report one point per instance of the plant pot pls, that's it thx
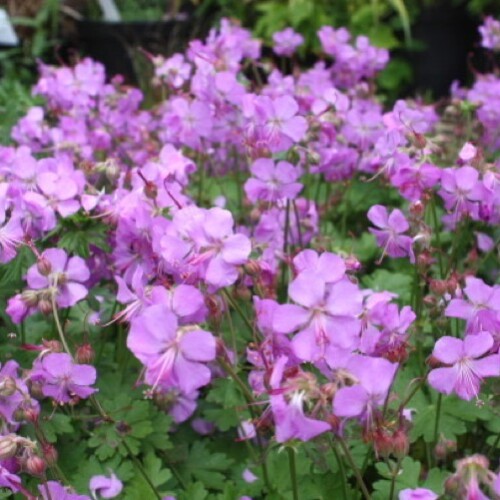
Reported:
(115, 44)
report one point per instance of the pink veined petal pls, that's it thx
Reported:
(364, 370)
(236, 249)
(186, 300)
(488, 366)
(190, 375)
(295, 128)
(449, 350)
(70, 294)
(66, 188)
(47, 182)
(443, 379)
(68, 207)
(218, 223)
(397, 221)
(198, 345)
(77, 270)
(378, 216)
(124, 294)
(477, 290)
(35, 279)
(57, 364)
(285, 107)
(307, 290)
(344, 299)
(263, 169)
(466, 178)
(475, 345)
(307, 259)
(350, 401)
(331, 267)
(304, 345)
(83, 374)
(289, 317)
(459, 308)
(57, 258)
(220, 274)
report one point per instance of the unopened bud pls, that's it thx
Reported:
(444, 447)
(150, 191)
(439, 287)
(50, 454)
(35, 465)
(8, 446)
(400, 444)
(30, 297)
(85, 354)
(252, 267)
(44, 266)
(45, 306)
(53, 345)
(418, 140)
(417, 208)
(7, 386)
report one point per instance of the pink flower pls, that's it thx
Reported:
(390, 235)
(62, 379)
(174, 357)
(466, 367)
(65, 277)
(105, 487)
(286, 41)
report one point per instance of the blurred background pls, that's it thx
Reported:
(432, 42)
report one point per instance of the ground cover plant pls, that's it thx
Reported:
(254, 284)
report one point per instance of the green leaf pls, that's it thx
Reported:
(407, 477)
(206, 466)
(399, 283)
(56, 425)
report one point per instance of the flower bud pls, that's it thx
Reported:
(7, 386)
(30, 298)
(35, 465)
(444, 447)
(252, 267)
(85, 354)
(50, 454)
(8, 446)
(439, 287)
(53, 345)
(400, 444)
(150, 191)
(44, 266)
(45, 306)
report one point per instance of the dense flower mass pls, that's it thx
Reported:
(256, 261)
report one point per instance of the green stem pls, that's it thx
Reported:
(437, 235)
(141, 469)
(238, 309)
(412, 393)
(293, 472)
(355, 469)
(58, 324)
(394, 474)
(340, 463)
(438, 416)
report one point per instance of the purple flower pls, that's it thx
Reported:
(286, 41)
(272, 181)
(326, 316)
(490, 33)
(62, 379)
(390, 235)
(52, 489)
(11, 236)
(65, 277)
(375, 376)
(481, 308)
(105, 487)
(466, 367)
(290, 421)
(417, 494)
(174, 357)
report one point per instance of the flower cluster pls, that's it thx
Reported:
(270, 257)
